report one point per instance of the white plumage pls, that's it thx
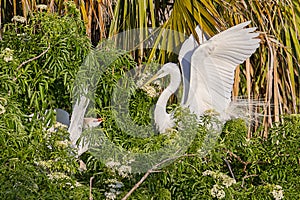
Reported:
(207, 72)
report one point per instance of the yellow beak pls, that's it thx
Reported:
(151, 79)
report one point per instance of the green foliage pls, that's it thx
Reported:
(37, 161)
(38, 62)
(260, 167)
(44, 57)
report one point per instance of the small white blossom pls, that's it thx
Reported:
(19, 19)
(114, 183)
(206, 173)
(124, 171)
(22, 34)
(77, 184)
(57, 175)
(42, 7)
(217, 191)
(60, 125)
(110, 195)
(150, 90)
(117, 185)
(62, 144)
(112, 164)
(278, 187)
(7, 54)
(45, 163)
(228, 181)
(277, 192)
(213, 174)
(7, 59)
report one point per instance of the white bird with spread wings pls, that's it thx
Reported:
(207, 72)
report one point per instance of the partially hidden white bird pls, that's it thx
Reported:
(77, 124)
(207, 72)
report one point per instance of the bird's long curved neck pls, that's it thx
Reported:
(162, 102)
(172, 87)
(162, 118)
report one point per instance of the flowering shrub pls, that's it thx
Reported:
(37, 161)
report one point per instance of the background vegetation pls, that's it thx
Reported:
(270, 75)
(40, 55)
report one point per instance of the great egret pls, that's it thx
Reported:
(63, 117)
(207, 72)
(75, 127)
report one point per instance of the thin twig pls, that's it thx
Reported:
(152, 170)
(137, 184)
(229, 167)
(91, 184)
(31, 59)
(247, 176)
(239, 159)
(34, 58)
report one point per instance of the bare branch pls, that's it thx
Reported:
(91, 184)
(239, 159)
(32, 59)
(152, 170)
(247, 176)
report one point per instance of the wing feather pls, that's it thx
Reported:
(185, 54)
(212, 68)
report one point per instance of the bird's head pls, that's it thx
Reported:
(166, 69)
(92, 122)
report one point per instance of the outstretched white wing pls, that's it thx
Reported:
(212, 68)
(184, 57)
(76, 125)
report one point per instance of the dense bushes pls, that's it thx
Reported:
(37, 161)
(40, 59)
(263, 169)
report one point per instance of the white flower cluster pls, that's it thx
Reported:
(3, 103)
(277, 192)
(112, 164)
(217, 191)
(7, 54)
(42, 7)
(63, 144)
(21, 34)
(122, 170)
(45, 163)
(60, 125)
(52, 165)
(114, 186)
(19, 19)
(71, 185)
(57, 175)
(54, 128)
(227, 181)
(151, 91)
